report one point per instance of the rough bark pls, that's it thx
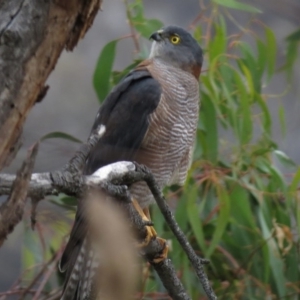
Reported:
(33, 33)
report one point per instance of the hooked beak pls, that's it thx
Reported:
(156, 36)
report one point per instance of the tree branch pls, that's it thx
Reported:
(171, 282)
(113, 179)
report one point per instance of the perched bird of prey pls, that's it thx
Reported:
(150, 117)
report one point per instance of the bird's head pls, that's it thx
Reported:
(175, 46)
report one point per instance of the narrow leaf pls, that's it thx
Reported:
(284, 159)
(103, 71)
(271, 48)
(276, 263)
(293, 37)
(209, 115)
(222, 220)
(194, 216)
(148, 27)
(237, 5)
(61, 135)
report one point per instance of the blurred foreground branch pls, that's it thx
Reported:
(114, 180)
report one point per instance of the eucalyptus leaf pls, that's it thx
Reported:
(103, 70)
(238, 5)
(61, 135)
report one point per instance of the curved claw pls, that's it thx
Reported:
(151, 234)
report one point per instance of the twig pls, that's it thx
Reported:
(131, 26)
(167, 274)
(11, 211)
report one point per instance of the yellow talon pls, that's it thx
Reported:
(151, 233)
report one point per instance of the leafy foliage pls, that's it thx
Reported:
(237, 208)
(103, 70)
(293, 41)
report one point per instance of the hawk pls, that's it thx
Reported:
(150, 117)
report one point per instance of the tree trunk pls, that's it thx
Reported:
(33, 33)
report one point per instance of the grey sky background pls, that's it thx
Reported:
(71, 102)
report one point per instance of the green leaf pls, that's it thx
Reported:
(209, 117)
(249, 80)
(65, 201)
(294, 37)
(291, 57)
(271, 48)
(147, 27)
(275, 261)
(244, 113)
(135, 14)
(135, 11)
(294, 201)
(222, 220)
(252, 66)
(119, 75)
(31, 252)
(266, 117)
(284, 159)
(157, 219)
(103, 71)
(277, 182)
(291, 52)
(293, 274)
(61, 135)
(261, 57)
(240, 204)
(193, 211)
(180, 214)
(237, 5)
(217, 46)
(295, 182)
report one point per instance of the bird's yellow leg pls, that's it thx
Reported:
(151, 233)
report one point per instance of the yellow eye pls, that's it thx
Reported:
(175, 39)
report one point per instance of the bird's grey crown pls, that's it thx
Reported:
(186, 54)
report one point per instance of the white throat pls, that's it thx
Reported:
(153, 51)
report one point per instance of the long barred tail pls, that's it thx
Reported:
(100, 258)
(81, 275)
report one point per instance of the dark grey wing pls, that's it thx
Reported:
(125, 117)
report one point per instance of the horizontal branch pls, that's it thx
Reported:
(46, 184)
